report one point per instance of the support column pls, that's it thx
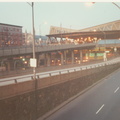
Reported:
(95, 55)
(65, 57)
(62, 58)
(10, 64)
(38, 60)
(48, 57)
(88, 54)
(72, 55)
(81, 56)
(45, 59)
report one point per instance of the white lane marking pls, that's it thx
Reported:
(100, 109)
(116, 90)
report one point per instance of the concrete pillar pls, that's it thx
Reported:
(72, 55)
(81, 56)
(95, 55)
(62, 58)
(88, 54)
(10, 64)
(45, 61)
(15, 64)
(38, 60)
(48, 58)
(65, 57)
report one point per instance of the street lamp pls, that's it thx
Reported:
(116, 5)
(33, 61)
(90, 4)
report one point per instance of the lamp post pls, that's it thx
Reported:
(33, 60)
(116, 5)
(112, 3)
(34, 72)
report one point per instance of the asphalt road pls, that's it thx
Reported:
(101, 102)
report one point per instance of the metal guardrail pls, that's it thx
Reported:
(15, 80)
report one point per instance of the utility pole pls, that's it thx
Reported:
(34, 71)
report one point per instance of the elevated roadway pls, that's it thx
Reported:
(13, 51)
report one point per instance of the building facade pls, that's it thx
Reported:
(28, 38)
(10, 35)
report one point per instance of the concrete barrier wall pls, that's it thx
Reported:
(23, 102)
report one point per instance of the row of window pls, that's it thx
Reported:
(12, 34)
(10, 29)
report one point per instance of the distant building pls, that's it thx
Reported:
(10, 35)
(28, 38)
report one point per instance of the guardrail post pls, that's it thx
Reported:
(38, 76)
(50, 74)
(15, 81)
(32, 77)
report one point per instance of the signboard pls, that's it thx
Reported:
(33, 62)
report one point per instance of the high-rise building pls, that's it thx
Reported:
(10, 35)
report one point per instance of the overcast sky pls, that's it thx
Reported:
(76, 15)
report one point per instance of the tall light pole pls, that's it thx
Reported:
(112, 3)
(116, 5)
(34, 72)
(33, 61)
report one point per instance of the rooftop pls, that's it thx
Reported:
(10, 25)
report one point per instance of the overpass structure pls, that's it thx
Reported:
(58, 54)
(64, 48)
(12, 56)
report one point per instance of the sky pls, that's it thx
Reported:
(74, 15)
